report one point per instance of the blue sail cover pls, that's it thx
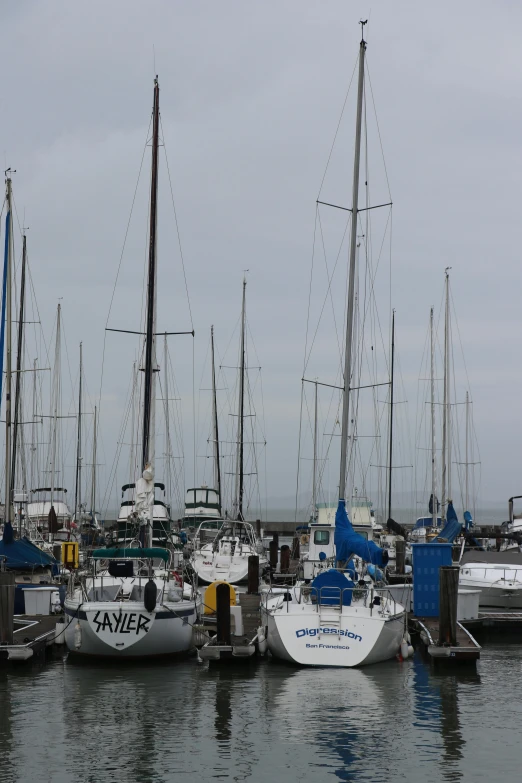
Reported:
(468, 520)
(451, 529)
(22, 555)
(348, 542)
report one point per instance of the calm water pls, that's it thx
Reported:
(262, 722)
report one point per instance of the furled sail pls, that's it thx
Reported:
(348, 542)
(452, 528)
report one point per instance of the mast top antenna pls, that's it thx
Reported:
(362, 23)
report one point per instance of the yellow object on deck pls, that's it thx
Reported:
(70, 554)
(210, 596)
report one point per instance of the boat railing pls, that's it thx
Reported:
(331, 598)
(515, 574)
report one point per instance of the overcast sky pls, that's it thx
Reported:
(251, 94)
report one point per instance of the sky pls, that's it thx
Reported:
(251, 95)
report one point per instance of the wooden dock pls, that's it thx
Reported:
(31, 636)
(465, 650)
(241, 646)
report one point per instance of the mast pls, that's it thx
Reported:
(351, 278)
(78, 485)
(432, 406)
(18, 382)
(241, 415)
(391, 416)
(217, 466)
(9, 321)
(149, 404)
(467, 454)
(314, 477)
(93, 485)
(446, 467)
(56, 398)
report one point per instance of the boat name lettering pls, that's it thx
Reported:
(314, 631)
(116, 622)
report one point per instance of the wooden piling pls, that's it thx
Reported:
(400, 555)
(296, 548)
(272, 554)
(7, 599)
(253, 574)
(258, 528)
(285, 559)
(448, 597)
(223, 613)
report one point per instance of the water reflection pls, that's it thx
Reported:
(186, 722)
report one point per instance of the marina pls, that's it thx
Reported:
(260, 502)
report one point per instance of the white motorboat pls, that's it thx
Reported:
(226, 557)
(498, 576)
(131, 606)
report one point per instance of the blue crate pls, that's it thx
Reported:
(427, 559)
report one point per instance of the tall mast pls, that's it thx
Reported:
(93, 484)
(351, 278)
(78, 486)
(446, 466)
(55, 401)
(447, 334)
(391, 416)
(149, 404)
(314, 477)
(9, 321)
(18, 382)
(241, 415)
(217, 466)
(432, 406)
(467, 454)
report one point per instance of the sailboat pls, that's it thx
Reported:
(132, 605)
(48, 513)
(226, 557)
(330, 622)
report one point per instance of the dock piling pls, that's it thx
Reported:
(253, 574)
(223, 613)
(272, 549)
(400, 555)
(449, 591)
(7, 599)
(285, 559)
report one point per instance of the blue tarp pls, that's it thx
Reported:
(452, 527)
(468, 520)
(348, 542)
(330, 586)
(23, 555)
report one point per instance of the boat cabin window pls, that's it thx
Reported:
(322, 537)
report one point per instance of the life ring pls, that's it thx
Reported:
(177, 578)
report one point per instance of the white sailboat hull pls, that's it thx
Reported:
(111, 629)
(231, 569)
(353, 637)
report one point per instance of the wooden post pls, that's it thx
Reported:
(253, 574)
(7, 599)
(448, 597)
(272, 556)
(285, 559)
(223, 613)
(258, 528)
(400, 555)
(275, 537)
(296, 548)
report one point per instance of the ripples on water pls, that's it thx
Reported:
(261, 722)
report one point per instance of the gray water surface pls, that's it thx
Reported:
(262, 722)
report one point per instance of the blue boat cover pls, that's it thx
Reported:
(330, 586)
(23, 555)
(452, 527)
(348, 542)
(468, 520)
